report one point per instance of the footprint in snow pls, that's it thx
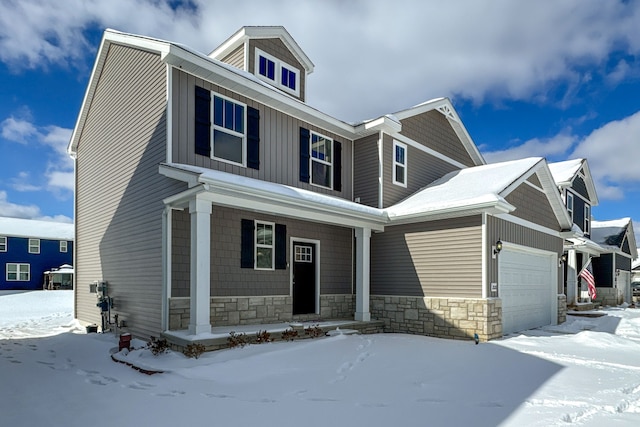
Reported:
(347, 366)
(218, 396)
(172, 393)
(139, 386)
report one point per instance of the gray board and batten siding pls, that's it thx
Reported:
(227, 276)
(533, 205)
(366, 170)
(279, 140)
(119, 190)
(436, 259)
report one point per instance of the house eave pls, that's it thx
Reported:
(493, 208)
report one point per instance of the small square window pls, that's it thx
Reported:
(63, 246)
(303, 254)
(34, 246)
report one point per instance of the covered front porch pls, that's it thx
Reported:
(301, 212)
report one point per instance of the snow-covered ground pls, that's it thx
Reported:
(585, 372)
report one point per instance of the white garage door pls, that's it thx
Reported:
(528, 288)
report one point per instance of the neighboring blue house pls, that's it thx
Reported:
(28, 248)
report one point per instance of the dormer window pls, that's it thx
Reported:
(277, 72)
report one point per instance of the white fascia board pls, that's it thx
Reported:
(588, 179)
(250, 86)
(497, 207)
(528, 224)
(385, 124)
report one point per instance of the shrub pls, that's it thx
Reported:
(194, 350)
(236, 340)
(158, 346)
(289, 335)
(263, 337)
(314, 331)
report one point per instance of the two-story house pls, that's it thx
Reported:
(608, 247)
(29, 248)
(208, 192)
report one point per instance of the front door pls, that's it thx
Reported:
(304, 278)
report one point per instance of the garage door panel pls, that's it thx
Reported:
(525, 282)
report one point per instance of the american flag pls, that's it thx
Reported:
(587, 275)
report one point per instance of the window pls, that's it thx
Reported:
(3, 244)
(264, 245)
(570, 205)
(63, 246)
(399, 164)
(321, 160)
(277, 72)
(34, 246)
(228, 130)
(587, 218)
(18, 272)
(303, 253)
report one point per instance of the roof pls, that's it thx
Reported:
(565, 172)
(612, 234)
(263, 32)
(35, 229)
(63, 269)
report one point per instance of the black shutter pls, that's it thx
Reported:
(247, 240)
(304, 154)
(203, 122)
(281, 247)
(253, 138)
(337, 166)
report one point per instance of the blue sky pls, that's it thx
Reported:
(559, 80)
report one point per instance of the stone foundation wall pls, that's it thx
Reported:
(230, 311)
(458, 318)
(562, 308)
(609, 296)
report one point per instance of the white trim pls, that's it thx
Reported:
(532, 185)
(380, 170)
(404, 165)
(532, 225)
(257, 245)
(485, 258)
(29, 247)
(169, 118)
(278, 64)
(428, 150)
(18, 272)
(66, 246)
(231, 132)
(573, 204)
(587, 219)
(167, 220)
(5, 244)
(317, 272)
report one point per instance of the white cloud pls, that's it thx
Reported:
(59, 171)
(556, 146)
(410, 51)
(26, 211)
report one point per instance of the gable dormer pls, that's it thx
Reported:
(573, 179)
(271, 54)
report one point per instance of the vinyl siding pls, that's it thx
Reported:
(366, 170)
(228, 279)
(119, 191)
(499, 229)
(236, 58)
(433, 130)
(279, 140)
(422, 170)
(579, 186)
(277, 48)
(434, 259)
(533, 205)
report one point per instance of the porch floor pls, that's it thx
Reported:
(218, 338)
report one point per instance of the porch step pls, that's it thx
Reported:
(584, 307)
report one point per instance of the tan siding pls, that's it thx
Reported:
(228, 279)
(422, 170)
(535, 180)
(279, 140)
(277, 48)
(533, 205)
(435, 259)
(236, 58)
(119, 190)
(365, 169)
(499, 229)
(434, 131)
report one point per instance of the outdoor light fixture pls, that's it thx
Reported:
(496, 248)
(562, 260)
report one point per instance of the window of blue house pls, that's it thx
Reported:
(229, 118)
(34, 246)
(570, 205)
(18, 272)
(587, 219)
(63, 246)
(3, 244)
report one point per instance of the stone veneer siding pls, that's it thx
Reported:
(609, 296)
(562, 308)
(458, 318)
(230, 311)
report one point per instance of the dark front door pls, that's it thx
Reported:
(304, 278)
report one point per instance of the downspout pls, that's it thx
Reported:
(166, 267)
(169, 113)
(485, 265)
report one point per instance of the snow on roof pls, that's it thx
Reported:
(565, 171)
(19, 227)
(63, 269)
(475, 186)
(610, 233)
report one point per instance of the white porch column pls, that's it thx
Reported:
(363, 262)
(200, 211)
(572, 277)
